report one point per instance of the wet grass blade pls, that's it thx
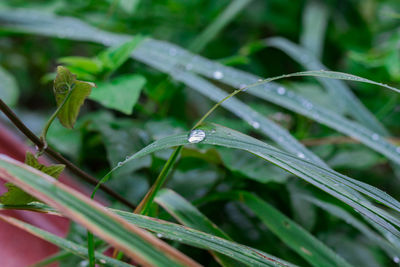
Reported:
(136, 243)
(188, 215)
(339, 91)
(62, 243)
(186, 235)
(339, 212)
(292, 234)
(340, 186)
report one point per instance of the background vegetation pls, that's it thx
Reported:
(145, 93)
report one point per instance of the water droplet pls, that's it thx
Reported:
(127, 157)
(396, 259)
(301, 155)
(218, 75)
(103, 261)
(259, 80)
(119, 164)
(159, 235)
(255, 124)
(242, 86)
(196, 136)
(189, 67)
(375, 136)
(308, 105)
(281, 90)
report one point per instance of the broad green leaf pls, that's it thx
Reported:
(340, 186)
(70, 93)
(9, 90)
(306, 245)
(15, 195)
(115, 56)
(120, 93)
(62, 243)
(184, 235)
(134, 242)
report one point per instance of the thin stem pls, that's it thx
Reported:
(58, 157)
(50, 121)
(145, 204)
(91, 250)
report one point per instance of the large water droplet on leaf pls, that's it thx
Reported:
(218, 75)
(196, 136)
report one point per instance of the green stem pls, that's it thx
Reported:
(50, 121)
(92, 259)
(145, 204)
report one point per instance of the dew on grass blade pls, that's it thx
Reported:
(196, 136)
(218, 75)
(281, 90)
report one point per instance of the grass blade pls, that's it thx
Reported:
(338, 90)
(315, 18)
(390, 250)
(62, 243)
(340, 186)
(293, 235)
(185, 235)
(136, 243)
(223, 19)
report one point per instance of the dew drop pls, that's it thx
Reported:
(196, 136)
(301, 155)
(159, 235)
(119, 164)
(103, 261)
(396, 259)
(281, 90)
(375, 136)
(259, 80)
(218, 75)
(255, 124)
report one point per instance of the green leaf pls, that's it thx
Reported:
(15, 195)
(62, 243)
(85, 64)
(70, 93)
(115, 56)
(301, 241)
(9, 90)
(134, 242)
(120, 94)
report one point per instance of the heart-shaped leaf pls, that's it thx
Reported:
(70, 93)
